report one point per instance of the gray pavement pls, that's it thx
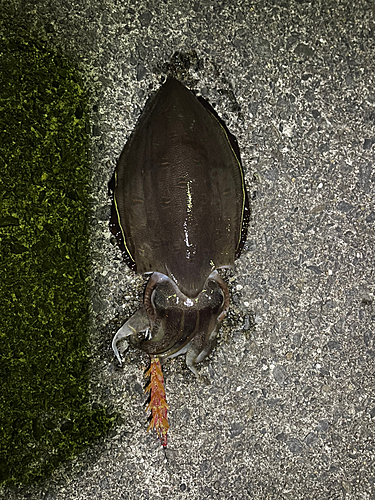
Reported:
(290, 411)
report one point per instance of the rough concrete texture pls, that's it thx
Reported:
(290, 411)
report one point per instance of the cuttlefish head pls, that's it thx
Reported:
(171, 323)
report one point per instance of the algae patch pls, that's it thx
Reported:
(45, 415)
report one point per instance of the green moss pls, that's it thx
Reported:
(45, 416)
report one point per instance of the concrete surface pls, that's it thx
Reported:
(290, 412)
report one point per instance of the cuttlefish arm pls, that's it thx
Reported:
(139, 322)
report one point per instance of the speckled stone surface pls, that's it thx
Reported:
(290, 411)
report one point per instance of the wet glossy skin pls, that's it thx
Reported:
(179, 212)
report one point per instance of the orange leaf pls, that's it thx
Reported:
(158, 403)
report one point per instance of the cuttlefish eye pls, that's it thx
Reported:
(163, 297)
(212, 297)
